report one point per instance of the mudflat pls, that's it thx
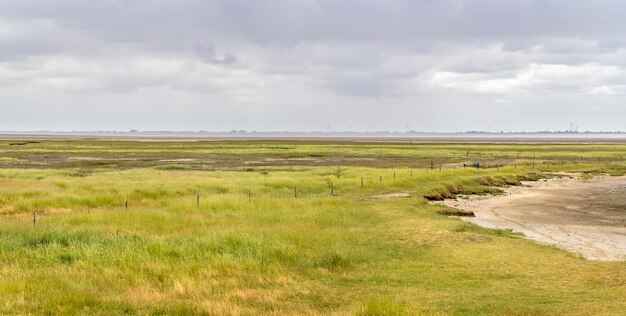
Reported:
(587, 217)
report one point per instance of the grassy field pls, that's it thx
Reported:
(233, 155)
(283, 228)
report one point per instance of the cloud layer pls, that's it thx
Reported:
(307, 64)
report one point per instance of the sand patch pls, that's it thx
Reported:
(85, 158)
(584, 217)
(393, 195)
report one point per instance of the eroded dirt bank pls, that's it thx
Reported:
(584, 217)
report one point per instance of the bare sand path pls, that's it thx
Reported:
(584, 217)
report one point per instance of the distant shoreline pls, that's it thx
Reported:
(556, 138)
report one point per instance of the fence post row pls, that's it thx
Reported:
(362, 182)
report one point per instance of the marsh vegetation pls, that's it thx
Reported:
(283, 228)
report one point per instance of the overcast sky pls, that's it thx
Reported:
(427, 65)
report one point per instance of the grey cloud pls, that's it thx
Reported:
(209, 55)
(289, 22)
(228, 57)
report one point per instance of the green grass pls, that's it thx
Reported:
(353, 252)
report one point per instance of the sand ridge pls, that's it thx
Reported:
(583, 217)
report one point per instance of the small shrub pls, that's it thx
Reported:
(333, 262)
(66, 258)
(456, 212)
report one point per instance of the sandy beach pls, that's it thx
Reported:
(583, 217)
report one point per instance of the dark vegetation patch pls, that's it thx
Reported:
(464, 227)
(614, 171)
(334, 262)
(66, 258)
(456, 212)
(478, 185)
(23, 143)
(531, 176)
